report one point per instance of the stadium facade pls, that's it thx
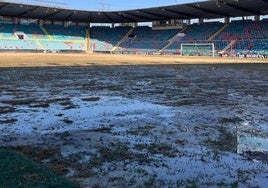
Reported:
(25, 27)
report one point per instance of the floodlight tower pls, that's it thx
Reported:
(103, 5)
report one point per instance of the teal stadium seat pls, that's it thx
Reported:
(18, 45)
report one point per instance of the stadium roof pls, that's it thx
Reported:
(206, 9)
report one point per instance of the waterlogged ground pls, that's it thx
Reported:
(141, 126)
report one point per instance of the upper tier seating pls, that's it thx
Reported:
(143, 38)
(7, 31)
(58, 32)
(32, 31)
(200, 32)
(249, 36)
(104, 38)
(196, 33)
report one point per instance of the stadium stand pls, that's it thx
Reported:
(239, 37)
(145, 39)
(104, 38)
(195, 33)
(248, 37)
(32, 37)
(58, 32)
(40, 28)
(19, 37)
(243, 36)
(64, 39)
(7, 44)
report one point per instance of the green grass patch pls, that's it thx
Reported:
(16, 170)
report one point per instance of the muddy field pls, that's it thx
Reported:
(141, 125)
(59, 59)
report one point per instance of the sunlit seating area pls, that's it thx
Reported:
(31, 31)
(59, 32)
(62, 46)
(104, 38)
(242, 36)
(32, 37)
(7, 44)
(7, 31)
(19, 37)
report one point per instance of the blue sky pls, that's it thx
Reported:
(120, 4)
(108, 4)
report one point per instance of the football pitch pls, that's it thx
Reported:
(147, 122)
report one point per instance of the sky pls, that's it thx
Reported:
(107, 5)
(121, 4)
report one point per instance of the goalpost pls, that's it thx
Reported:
(197, 49)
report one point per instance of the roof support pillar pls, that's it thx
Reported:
(65, 24)
(16, 20)
(201, 20)
(226, 20)
(40, 23)
(188, 22)
(113, 25)
(257, 18)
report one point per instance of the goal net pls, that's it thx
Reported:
(197, 49)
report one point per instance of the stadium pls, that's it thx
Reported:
(51, 29)
(168, 96)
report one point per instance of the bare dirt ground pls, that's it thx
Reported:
(42, 59)
(145, 125)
